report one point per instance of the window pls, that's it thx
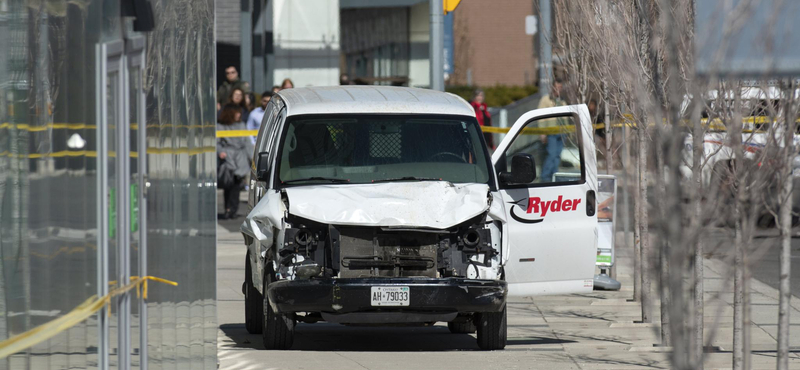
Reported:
(266, 124)
(555, 146)
(373, 148)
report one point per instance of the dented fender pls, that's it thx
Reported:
(260, 229)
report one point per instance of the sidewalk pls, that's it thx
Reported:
(598, 329)
(589, 331)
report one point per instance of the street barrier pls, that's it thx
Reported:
(41, 333)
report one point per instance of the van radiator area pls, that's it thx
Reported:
(372, 252)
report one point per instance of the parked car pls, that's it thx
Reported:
(762, 113)
(381, 205)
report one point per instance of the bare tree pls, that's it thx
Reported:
(785, 223)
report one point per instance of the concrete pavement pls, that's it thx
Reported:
(589, 331)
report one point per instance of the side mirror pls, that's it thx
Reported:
(523, 170)
(262, 174)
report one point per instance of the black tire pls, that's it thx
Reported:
(492, 330)
(466, 327)
(278, 329)
(253, 303)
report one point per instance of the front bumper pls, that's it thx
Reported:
(428, 295)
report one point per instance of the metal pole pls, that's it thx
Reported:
(123, 213)
(437, 45)
(142, 149)
(545, 52)
(246, 48)
(102, 206)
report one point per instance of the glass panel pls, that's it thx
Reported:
(134, 93)
(48, 176)
(112, 124)
(554, 145)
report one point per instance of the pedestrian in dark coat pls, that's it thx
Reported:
(234, 157)
(231, 82)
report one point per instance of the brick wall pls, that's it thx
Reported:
(228, 28)
(490, 41)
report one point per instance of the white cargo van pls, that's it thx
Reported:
(382, 205)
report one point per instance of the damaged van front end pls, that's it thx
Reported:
(392, 253)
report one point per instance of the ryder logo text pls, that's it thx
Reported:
(537, 205)
(541, 207)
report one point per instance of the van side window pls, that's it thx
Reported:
(271, 144)
(555, 146)
(266, 128)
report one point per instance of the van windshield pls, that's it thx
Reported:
(378, 148)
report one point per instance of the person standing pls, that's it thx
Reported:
(257, 115)
(483, 115)
(234, 156)
(237, 98)
(287, 84)
(231, 82)
(554, 142)
(250, 101)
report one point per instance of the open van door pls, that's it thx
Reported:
(552, 221)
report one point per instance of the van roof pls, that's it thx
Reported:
(372, 99)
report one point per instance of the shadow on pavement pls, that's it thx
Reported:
(653, 364)
(231, 225)
(335, 337)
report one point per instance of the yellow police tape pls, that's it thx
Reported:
(494, 130)
(715, 124)
(88, 308)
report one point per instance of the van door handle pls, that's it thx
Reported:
(591, 203)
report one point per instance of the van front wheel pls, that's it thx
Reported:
(492, 330)
(253, 301)
(278, 331)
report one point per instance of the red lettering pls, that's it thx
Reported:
(556, 204)
(545, 207)
(533, 204)
(536, 205)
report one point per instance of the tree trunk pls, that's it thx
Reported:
(607, 125)
(3, 308)
(738, 301)
(785, 221)
(740, 180)
(747, 326)
(637, 238)
(698, 154)
(612, 271)
(664, 235)
(644, 234)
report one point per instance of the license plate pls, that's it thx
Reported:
(390, 295)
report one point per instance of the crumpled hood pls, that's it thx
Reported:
(431, 204)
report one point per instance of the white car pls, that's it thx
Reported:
(718, 155)
(381, 205)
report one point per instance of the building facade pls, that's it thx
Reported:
(107, 172)
(313, 42)
(491, 46)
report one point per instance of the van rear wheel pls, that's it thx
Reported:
(492, 330)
